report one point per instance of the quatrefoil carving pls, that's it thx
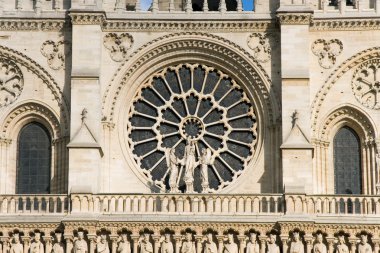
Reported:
(327, 51)
(118, 45)
(259, 43)
(55, 52)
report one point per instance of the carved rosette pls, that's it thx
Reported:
(327, 51)
(11, 82)
(55, 53)
(259, 43)
(366, 83)
(196, 103)
(118, 45)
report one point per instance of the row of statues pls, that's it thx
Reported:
(189, 163)
(187, 244)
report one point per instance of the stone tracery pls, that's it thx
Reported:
(11, 82)
(198, 104)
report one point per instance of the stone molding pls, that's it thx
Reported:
(87, 18)
(191, 25)
(335, 75)
(295, 18)
(33, 24)
(345, 24)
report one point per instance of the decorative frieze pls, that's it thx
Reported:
(87, 18)
(295, 18)
(33, 24)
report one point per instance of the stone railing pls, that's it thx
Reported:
(178, 203)
(192, 204)
(362, 6)
(332, 204)
(34, 204)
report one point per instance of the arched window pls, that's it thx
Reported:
(347, 162)
(33, 160)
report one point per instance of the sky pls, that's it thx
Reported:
(247, 4)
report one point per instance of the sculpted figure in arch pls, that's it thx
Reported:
(296, 245)
(102, 245)
(319, 246)
(188, 245)
(205, 160)
(230, 246)
(209, 244)
(364, 246)
(341, 246)
(166, 243)
(37, 246)
(252, 245)
(16, 245)
(190, 165)
(124, 245)
(145, 244)
(80, 245)
(58, 246)
(272, 246)
(172, 161)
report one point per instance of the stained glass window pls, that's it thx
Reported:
(347, 162)
(34, 159)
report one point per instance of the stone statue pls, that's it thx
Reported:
(172, 162)
(210, 245)
(272, 246)
(80, 245)
(252, 245)
(16, 245)
(364, 246)
(205, 160)
(230, 246)
(102, 245)
(319, 246)
(166, 243)
(190, 165)
(145, 244)
(37, 246)
(124, 245)
(341, 246)
(59, 246)
(296, 245)
(188, 246)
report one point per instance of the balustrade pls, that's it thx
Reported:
(36, 204)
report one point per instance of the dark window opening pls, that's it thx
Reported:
(335, 2)
(33, 160)
(347, 162)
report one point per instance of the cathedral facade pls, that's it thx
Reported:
(189, 126)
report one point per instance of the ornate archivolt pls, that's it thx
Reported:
(196, 49)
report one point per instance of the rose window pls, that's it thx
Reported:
(197, 104)
(366, 83)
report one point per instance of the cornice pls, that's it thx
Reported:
(189, 25)
(87, 18)
(13, 24)
(345, 24)
(295, 18)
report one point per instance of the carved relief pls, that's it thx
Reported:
(11, 82)
(118, 45)
(327, 51)
(203, 115)
(366, 83)
(259, 43)
(55, 52)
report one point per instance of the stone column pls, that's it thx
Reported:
(69, 243)
(220, 243)
(198, 239)
(309, 243)
(263, 240)
(352, 241)
(48, 243)
(241, 239)
(135, 239)
(84, 149)
(5, 243)
(330, 242)
(376, 242)
(114, 243)
(284, 240)
(177, 239)
(92, 241)
(26, 241)
(156, 239)
(297, 160)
